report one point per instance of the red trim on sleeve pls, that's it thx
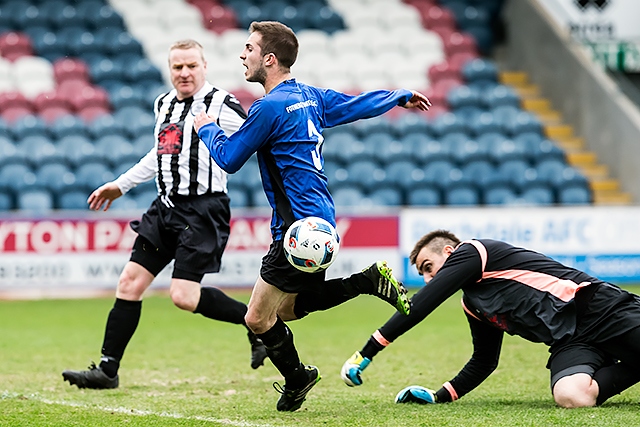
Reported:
(381, 340)
(451, 390)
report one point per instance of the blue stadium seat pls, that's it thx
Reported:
(16, 177)
(479, 69)
(523, 122)
(66, 17)
(85, 43)
(75, 199)
(481, 172)
(384, 148)
(6, 200)
(142, 70)
(568, 177)
(38, 150)
(326, 19)
(386, 196)
(98, 15)
(336, 140)
(549, 169)
(464, 150)
(448, 123)
(144, 199)
(424, 196)
(364, 128)
(502, 150)
(105, 125)
(462, 196)
(68, 125)
(249, 175)
(258, 198)
(463, 96)
(404, 174)
(32, 17)
(575, 195)
(364, 174)
(106, 69)
(410, 123)
(143, 143)
(55, 176)
(484, 123)
(500, 96)
(530, 142)
(500, 195)
(239, 198)
(425, 150)
(354, 150)
(547, 150)
(49, 45)
(126, 203)
(93, 174)
(128, 116)
(438, 172)
(38, 201)
(115, 148)
(348, 196)
(538, 196)
(27, 126)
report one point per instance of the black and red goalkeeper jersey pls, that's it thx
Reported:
(505, 289)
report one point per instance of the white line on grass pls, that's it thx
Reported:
(129, 411)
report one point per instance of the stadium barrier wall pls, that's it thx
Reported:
(83, 255)
(577, 86)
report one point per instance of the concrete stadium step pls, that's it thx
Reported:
(606, 190)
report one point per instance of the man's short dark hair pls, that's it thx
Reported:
(278, 39)
(436, 240)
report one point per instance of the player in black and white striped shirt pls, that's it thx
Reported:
(188, 222)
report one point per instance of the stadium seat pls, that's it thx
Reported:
(404, 174)
(73, 200)
(14, 99)
(464, 150)
(480, 172)
(482, 123)
(438, 172)
(410, 123)
(93, 174)
(386, 196)
(114, 148)
(384, 148)
(538, 196)
(574, 195)
(55, 176)
(448, 123)
(523, 122)
(500, 95)
(258, 198)
(549, 169)
(37, 201)
(6, 201)
(459, 42)
(143, 199)
(424, 196)
(239, 198)
(479, 70)
(364, 174)
(249, 175)
(513, 171)
(14, 45)
(16, 176)
(569, 176)
(77, 150)
(463, 96)
(27, 126)
(348, 197)
(462, 196)
(67, 125)
(502, 150)
(500, 195)
(372, 126)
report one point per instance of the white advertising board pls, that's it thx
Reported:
(602, 241)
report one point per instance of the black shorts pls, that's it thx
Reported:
(279, 272)
(606, 332)
(194, 232)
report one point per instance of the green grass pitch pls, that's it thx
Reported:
(184, 370)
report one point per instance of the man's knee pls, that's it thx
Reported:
(185, 294)
(575, 391)
(133, 281)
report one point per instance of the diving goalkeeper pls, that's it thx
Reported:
(592, 327)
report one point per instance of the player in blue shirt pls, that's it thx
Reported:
(285, 129)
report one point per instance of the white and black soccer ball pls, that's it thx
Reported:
(311, 244)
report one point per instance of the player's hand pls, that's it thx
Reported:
(416, 394)
(202, 119)
(418, 101)
(104, 195)
(351, 372)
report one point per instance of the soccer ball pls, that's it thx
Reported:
(311, 244)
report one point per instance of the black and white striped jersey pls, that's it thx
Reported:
(179, 161)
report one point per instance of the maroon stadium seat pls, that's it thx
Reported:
(14, 99)
(458, 43)
(443, 70)
(89, 114)
(14, 45)
(11, 114)
(70, 69)
(47, 100)
(90, 96)
(53, 113)
(219, 18)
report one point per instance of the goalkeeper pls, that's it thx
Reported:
(592, 327)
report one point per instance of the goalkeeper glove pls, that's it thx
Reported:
(416, 394)
(352, 369)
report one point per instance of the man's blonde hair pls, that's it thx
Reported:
(188, 44)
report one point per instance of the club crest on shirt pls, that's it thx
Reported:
(170, 138)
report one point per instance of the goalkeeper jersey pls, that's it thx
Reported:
(285, 129)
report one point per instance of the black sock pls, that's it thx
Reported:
(283, 354)
(121, 324)
(216, 305)
(371, 348)
(614, 379)
(334, 292)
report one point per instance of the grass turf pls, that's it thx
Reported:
(181, 369)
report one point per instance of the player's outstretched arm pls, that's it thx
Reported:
(104, 195)
(419, 101)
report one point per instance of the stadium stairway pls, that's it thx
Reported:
(606, 189)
